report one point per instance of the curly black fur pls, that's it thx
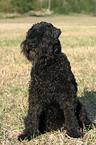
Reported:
(53, 101)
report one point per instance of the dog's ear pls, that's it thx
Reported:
(56, 33)
(50, 45)
(52, 34)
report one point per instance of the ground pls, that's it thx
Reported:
(78, 40)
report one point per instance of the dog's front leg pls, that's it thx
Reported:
(31, 124)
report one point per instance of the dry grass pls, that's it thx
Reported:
(78, 39)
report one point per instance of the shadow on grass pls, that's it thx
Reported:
(89, 101)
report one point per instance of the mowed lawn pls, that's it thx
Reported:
(78, 40)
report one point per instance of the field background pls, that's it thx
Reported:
(78, 40)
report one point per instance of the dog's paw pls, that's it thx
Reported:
(24, 136)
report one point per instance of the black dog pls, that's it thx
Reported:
(53, 101)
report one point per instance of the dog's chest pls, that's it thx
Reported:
(48, 80)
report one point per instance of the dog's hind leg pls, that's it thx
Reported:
(83, 115)
(71, 124)
(31, 124)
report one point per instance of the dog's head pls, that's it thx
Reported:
(41, 41)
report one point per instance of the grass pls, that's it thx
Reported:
(78, 41)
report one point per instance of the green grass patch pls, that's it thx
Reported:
(76, 41)
(9, 42)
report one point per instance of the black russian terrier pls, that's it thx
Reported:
(53, 101)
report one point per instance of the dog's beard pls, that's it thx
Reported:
(32, 57)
